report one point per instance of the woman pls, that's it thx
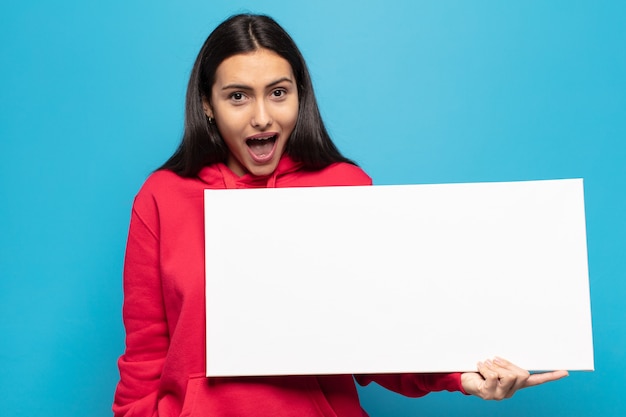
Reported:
(251, 121)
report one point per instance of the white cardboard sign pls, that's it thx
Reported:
(406, 278)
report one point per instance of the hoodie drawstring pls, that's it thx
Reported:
(271, 182)
(229, 180)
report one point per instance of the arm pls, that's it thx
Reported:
(495, 380)
(147, 337)
(414, 385)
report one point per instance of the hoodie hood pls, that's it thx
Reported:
(220, 176)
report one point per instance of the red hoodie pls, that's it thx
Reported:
(162, 372)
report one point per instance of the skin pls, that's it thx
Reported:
(498, 379)
(254, 96)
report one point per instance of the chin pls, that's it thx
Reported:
(262, 170)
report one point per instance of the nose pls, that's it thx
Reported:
(261, 117)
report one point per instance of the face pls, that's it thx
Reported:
(254, 102)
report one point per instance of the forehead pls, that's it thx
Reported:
(259, 67)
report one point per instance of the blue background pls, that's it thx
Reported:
(91, 100)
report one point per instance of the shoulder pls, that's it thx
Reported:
(342, 173)
(159, 182)
(163, 187)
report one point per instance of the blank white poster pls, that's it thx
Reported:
(403, 278)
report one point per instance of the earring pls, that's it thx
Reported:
(210, 120)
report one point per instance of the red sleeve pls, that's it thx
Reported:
(147, 337)
(414, 385)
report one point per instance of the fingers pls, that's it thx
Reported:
(498, 379)
(490, 384)
(515, 376)
(501, 379)
(542, 378)
(531, 380)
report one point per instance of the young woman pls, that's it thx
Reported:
(251, 120)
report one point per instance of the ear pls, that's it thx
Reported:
(207, 107)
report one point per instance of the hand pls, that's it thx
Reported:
(499, 379)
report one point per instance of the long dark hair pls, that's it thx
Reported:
(202, 144)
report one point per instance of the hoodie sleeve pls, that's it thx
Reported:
(414, 385)
(147, 337)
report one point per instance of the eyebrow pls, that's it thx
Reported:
(246, 87)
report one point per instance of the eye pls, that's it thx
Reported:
(279, 93)
(237, 96)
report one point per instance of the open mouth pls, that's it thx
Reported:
(262, 147)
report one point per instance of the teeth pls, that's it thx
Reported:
(263, 138)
